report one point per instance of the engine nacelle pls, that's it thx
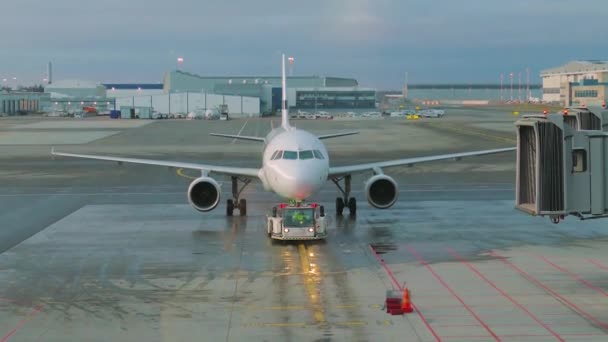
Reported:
(381, 191)
(204, 194)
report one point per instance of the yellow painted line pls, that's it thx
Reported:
(275, 325)
(309, 284)
(295, 307)
(286, 274)
(346, 306)
(180, 172)
(284, 324)
(303, 324)
(288, 307)
(350, 323)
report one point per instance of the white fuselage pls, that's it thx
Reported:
(301, 168)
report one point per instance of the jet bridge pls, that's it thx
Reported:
(562, 169)
(586, 118)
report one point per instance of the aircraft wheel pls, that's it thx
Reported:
(229, 207)
(243, 207)
(339, 206)
(352, 206)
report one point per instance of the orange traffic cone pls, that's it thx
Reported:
(406, 304)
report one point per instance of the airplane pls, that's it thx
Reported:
(295, 165)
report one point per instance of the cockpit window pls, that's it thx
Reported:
(291, 155)
(306, 155)
(277, 155)
(318, 154)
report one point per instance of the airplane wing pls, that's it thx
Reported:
(241, 137)
(228, 170)
(345, 170)
(335, 135)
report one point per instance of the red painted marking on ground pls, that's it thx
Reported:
(598, 264)
(525, 335)
(428, 267)
(390, 273)
(22, 323)
(496, 306)
(388, 270)
(504, 325)
(574, 276)
(548, 289)
(474, 269)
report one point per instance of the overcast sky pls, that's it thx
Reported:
(375, 41)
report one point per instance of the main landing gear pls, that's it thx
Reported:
(235, 202)
(345, 201)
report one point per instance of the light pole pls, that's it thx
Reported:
(511, 78)
(528, 84)
(519, 88)
(291, 60)
(502, 76)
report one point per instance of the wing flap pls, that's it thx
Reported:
(236, 171)
(343, 170)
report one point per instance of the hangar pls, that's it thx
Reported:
(576, 83)
(302, 91)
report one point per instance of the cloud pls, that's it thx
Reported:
(373, 40)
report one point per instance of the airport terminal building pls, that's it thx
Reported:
(576, 83)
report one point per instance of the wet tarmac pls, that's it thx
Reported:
(95, 252)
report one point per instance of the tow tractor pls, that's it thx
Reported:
(297, 221)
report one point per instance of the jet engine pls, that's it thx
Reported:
(381, 191)
(204, 194)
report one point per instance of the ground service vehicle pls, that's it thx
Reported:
(223, 109)
(297, 222)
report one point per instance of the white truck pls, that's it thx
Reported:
(297, 222)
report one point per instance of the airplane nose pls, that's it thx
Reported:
(307, 181)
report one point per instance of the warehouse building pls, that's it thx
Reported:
(72, 96)
(186, 102)
(76, 89)
(302, 91)
(121, 90)
(576, 83)
(14, 103)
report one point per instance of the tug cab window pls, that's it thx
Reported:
(579, 161)
(290, 155)
(306, 155)
(298, 218)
